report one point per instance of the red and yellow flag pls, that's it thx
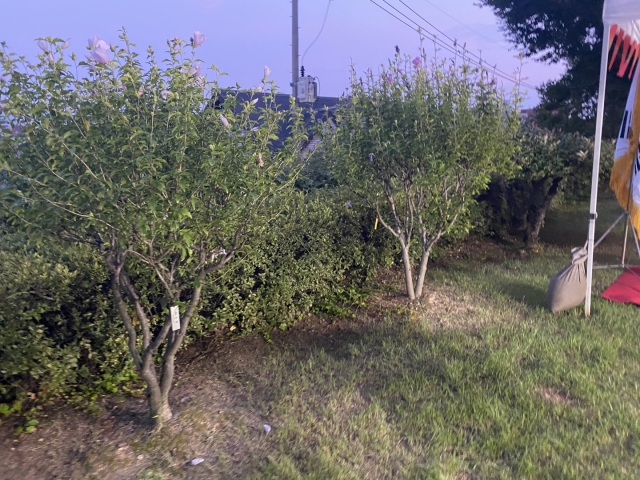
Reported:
(625, 175)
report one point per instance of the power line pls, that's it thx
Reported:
(436, 41)
(449, 49)
(467, 26)
(326, 14)
(453, 40)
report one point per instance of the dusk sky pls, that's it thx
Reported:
(245, 35)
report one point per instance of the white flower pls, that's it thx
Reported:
(224, 121)
(97, 42)
(198, 38)
(195, 69)
(260, 161)
(99, 55)
(165, 94)
(44, 46)
(267, 71)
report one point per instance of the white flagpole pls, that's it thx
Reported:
(596, 165)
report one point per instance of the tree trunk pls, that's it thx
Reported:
(157, 397)
(159, 408)
(408, 276)
(158, 387)
(532, 234)
(423, 271)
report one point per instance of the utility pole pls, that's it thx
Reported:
(294, 46)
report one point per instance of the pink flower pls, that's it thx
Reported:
(165, 94)
(198, 38)
(43, 45)
(50, 57)
(389, 79)
(99, 55)
(66, 44)
(97, 42)
(417, 62)
(397, 49)
(224, 121)
(195, 69)
(267, 71)
(141, 90)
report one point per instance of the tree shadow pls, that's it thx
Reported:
(526, 293)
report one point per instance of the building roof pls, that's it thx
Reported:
(321, 110)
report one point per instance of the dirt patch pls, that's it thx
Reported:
(442, 306)
(555, 396)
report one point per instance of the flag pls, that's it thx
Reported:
(625, 174)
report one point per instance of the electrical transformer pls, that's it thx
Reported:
(307, 90)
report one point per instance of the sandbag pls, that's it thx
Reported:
(568, 287)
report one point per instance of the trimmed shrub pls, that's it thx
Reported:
(317, 253)
(59, 332)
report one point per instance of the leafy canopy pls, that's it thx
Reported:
(153, 165)
(417, 144)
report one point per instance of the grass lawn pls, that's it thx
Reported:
(480, 381)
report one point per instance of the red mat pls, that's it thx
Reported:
(626, 288)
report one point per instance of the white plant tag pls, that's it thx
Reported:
(175, 318)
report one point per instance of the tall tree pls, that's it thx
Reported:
(568, 31)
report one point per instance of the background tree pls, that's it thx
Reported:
(569, 32)
(549, 165)
(131, 161)
(417, 144)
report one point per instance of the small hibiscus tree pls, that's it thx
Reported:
(151, 164)
(417, 144)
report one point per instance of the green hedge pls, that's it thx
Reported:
(316, 254)
(60, 335)
(58, 329)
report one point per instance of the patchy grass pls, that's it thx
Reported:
(479, 381)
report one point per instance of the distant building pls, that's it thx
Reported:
(322, 110)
